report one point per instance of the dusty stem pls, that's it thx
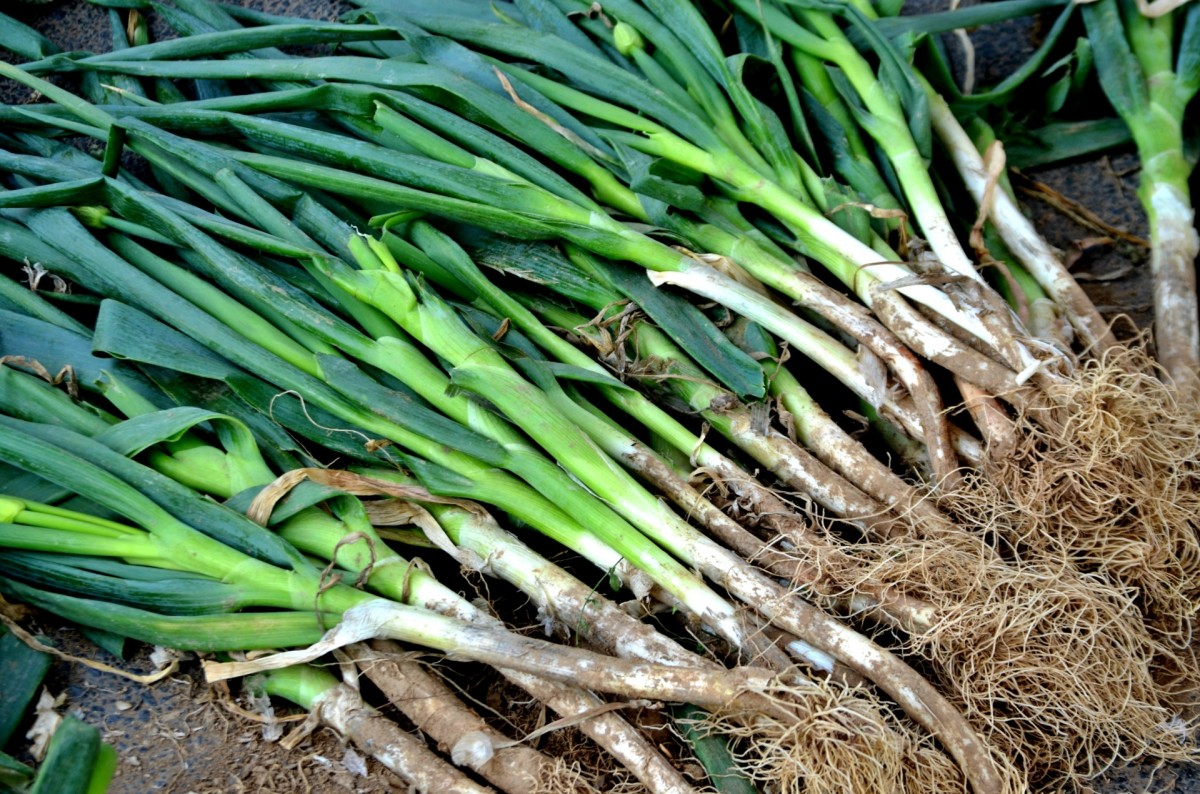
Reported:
(343, 709)
(437, 712)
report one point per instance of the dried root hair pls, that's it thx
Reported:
(573, 776)
(1068, 599)
(1108, 479)
(1052, 667)
(1065, 617)
(847, 741)
(578, 765)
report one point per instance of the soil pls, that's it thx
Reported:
(179, 735)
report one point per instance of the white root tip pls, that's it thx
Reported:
(473, 749)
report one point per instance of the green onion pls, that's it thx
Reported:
(1150, 83)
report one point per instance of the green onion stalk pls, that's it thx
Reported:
(472, 531)
(920, 411)
(892, 105)
(501, 40)
(1031, 251)
(939, 346)
(299, 358)
(298, 361)
(479, 479)
(200, 632)
(433, 385)
(1070, 438)
(851, 272)
(857, 265)
(1150, 71)
(523, 501)
(440, 714)
(478, 544)
(967, 596)
(917, 697)
(664, 363)
(1034, 267)
(477, 367)
(822, 485)
(799, 286)
(848, 260)
(76, 462)
(520, 501)
(1018, 234)
(803, 335)
(918, 332)
(854, 164)
(208, 468)
(435, 388)
(1032, 304)
(434, 324)
(631, 452)
(817, 34)
(703, 279)
(806, 419)
(850, 155)
(346, 537)
(569, 606)
(361, 551)
(800, 335)
(656, 471)
(843, 455)
(538, 217)
(303, 532)
(635, 455)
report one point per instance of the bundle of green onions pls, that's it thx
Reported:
(201, 577)
(675, 439)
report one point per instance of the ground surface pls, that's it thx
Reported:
(180, 736)
(176, 736)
